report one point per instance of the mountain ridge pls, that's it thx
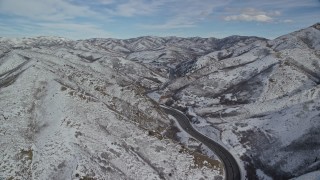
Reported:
(82, 108)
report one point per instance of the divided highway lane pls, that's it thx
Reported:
(232, 170)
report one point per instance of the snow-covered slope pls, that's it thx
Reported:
(70, 111)
(262, 98)
(81, 109)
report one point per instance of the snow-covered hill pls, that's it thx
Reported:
(261, 99)
(69, 110)
(90, 108)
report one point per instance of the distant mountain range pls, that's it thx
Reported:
(91, 108)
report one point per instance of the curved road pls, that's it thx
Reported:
(232, 170)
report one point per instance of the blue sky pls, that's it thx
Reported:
(81, 19)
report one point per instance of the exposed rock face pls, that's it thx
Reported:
(317, 26)
(72, 109)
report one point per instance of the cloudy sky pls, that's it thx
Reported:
(80, 19)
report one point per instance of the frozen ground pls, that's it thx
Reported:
(261, 100)
(62, 117)
(90, 108)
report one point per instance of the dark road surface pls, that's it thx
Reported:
(232, 171)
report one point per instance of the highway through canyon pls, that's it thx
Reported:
(231, 167)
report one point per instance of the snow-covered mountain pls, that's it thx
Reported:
(90, 108)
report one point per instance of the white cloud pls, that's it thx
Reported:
(288, 21)
(63, 29)
(168, 25)
(138, 7)
(51, 17)
(102, 1)
(246, 17)
(46, 10)
(280, 4)
(89, 18)
(187, 13)
(73, 30)
(251, 14)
